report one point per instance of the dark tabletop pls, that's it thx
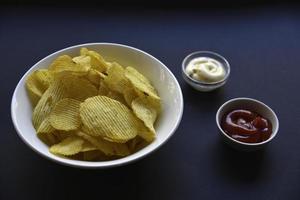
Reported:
(262, 45)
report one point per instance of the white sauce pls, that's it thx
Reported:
(205, 69)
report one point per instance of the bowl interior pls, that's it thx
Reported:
(159, 75)
(253, 105)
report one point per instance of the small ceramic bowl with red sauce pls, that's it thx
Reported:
(247, 124)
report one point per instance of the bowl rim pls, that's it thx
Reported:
(97, 164)
(274, 133)
(184, 64)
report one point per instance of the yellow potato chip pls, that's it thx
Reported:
(108, 148)
(37, 83)
(145, 112)
(108, 118)
(77, 87)
(61, 135)
(69, 146)
(65, 115)
(115, 79)
(47, 133)
(65, 64)
(129, 95)
(140, 83)
(87, 146)
(116, 96)
(95, 77)
(103, 89)
(97, 61)
(146, 134)
(93, 155)
(61, 63)
(45, 127)
(43, 108)
(136, 144)
(83, 51)
(84, 61)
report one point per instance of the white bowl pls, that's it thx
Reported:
(160, 76)
(255, 106)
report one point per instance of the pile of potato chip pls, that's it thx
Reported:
(89, 109)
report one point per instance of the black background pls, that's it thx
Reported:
(261, 43)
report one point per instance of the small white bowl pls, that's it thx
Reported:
(200, 85)
(160, 76)
(255, 106)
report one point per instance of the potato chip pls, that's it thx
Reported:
(140, 83)
(136, 144)
(47, 133)
(108, 148)
(84, 61)
(129, 95)
(97, 61)
(116, 96)
(95, 77)
(108, 118)
(145, 112)
(45, 127)
(146, 134)
(61, 63)
(77, 87)
(43, 108)
(93, 155)
(66, 64)
(65, 115)
(69, 146)
(103, 89)
(37, 83)
(61, 135)
(115, 79)
(87, 146)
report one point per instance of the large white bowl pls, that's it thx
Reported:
(160, 76)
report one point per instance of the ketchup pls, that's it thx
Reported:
(246, 126)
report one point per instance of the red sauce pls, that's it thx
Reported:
(246, 126)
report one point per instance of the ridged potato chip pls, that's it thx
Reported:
(77, 87)
(129, 95)
(103, 89)
(108, 148)
(140, 83)
(95, 77)
(37, 83)
(45, 127)
(146, 134)
(65, 115)
(97, 61)
(94, 155)
(136, 144)
(65, 64)
(47, 133)
(84, 61)
(116, 96)
(115, 79)
(145, 112)
(69, 146)
(61, 63)
(106, 117)
(43, 108)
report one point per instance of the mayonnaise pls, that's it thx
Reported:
(205, 69)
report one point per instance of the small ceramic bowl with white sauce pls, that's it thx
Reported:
(205, 70)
